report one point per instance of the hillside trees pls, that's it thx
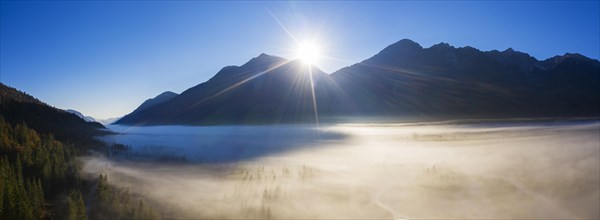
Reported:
(39, 179)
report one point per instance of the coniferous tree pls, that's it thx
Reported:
(75, 206)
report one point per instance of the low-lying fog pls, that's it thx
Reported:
(543, 170)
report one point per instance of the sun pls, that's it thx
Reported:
(308, 53)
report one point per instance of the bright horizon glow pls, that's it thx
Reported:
(309, 53)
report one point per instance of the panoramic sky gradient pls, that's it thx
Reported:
(104, 58)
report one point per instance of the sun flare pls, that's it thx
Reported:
(309, 53)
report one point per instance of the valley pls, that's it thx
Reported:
(543, 170)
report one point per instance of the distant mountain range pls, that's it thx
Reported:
(18, 107)
(404, 79)
(108, 121)
(80, 115)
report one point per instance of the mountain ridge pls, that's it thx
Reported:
(481, 81)
(18, 107)
(163, 97)
(403, 79)
(263, 71)
(80, 115)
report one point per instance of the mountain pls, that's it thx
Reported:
(108, 121)
(80, 115)
(404, 79)
(266, 89)
(447, 82)
(18, 107)
(163, 97)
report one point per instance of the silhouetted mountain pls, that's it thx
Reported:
(266, 89)
(443, 81)
(404, 79)
(163, 97)
(80, 115)
(108, 121)
(17, 107)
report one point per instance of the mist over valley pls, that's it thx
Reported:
(543, 170)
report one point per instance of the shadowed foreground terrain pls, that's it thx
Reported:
(546, 170)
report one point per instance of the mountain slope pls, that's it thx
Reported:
(444, 81)
(17, 107)
(80, 115)
(404, 79)
(163, 97)
(266, 89)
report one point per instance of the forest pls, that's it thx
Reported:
(40, 179)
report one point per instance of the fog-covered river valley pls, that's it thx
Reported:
(546, 170)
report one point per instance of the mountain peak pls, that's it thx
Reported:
(576, 55)
(441, 45)
(400, 48)
(509, 50)
(407, 43)
(167, 93)
(263, 55)
(264, 58)
(163, 97)
(555, 60)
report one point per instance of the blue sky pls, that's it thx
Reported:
(104, 58)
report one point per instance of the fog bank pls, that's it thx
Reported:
(494, 170)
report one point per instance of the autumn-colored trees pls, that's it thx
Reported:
(39, 178)
(33, 168)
